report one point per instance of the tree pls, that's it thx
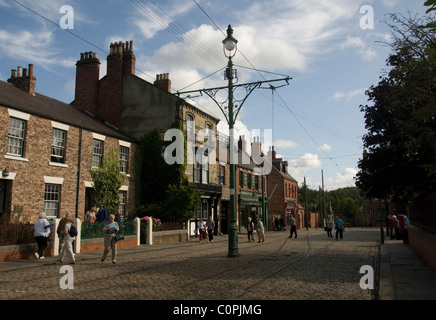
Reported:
(400, 146)
(162, 190)
(106, 182)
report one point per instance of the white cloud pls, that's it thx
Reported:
(341, 180)
(36, 47)
(307, 161)
(365, 51)
(285, 144)
(341, 95)
(325, 147)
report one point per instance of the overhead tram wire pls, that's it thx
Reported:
(97, 47)
(304, 117)
(179, 32)
(258, 71)
(75, 35)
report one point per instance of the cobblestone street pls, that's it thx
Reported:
(311, 267)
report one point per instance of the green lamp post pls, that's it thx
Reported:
(229, 48)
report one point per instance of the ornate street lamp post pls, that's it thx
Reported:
(229, 48)
(231, 111)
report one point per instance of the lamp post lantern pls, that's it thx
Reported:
(229, 48)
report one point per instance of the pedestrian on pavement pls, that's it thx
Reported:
(260, 230)
(293, 224)
(90, 216)
(339, 226)
(102, 214)
(110, 230)
(210, 225)
(201, 229)
(329, 226)
(397, 227)
(282, 224)
(41, 233)
(67, 240)
(61, 227)
(250, 229)
(118, 216)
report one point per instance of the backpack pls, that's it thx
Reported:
(73, 231)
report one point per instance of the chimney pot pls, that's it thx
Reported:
(31, 70)
(13, 73)
(25, 72)
(19, 72)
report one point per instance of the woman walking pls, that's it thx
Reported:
(41, 232)
(329, 226)
(110, 230)
(67, 242)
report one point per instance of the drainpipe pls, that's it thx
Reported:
(79, 161)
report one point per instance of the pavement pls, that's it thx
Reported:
(403, 274)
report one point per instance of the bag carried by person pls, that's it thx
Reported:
(73, 231)
(119, 237)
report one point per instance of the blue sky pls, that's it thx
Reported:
(315, 120)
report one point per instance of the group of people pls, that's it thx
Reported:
(395, 231)
(205, 229)
(260, 229)
(338, 224)
(279, 224)
(110, 229)
(101, 216)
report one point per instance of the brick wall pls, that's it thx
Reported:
(28, 175)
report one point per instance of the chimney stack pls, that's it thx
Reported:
(163, 82)
(22, 80)
(87, 76)
(272, 153)
(242, 144)
(256, 145)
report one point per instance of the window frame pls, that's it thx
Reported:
(53, 157)
(97, 157)
(21, 138)
(47, 207)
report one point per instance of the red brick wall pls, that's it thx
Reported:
(28, 185)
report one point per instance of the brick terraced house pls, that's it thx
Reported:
(47, 150)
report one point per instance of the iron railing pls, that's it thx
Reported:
(95, 230)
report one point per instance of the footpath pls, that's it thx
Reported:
(404, 275)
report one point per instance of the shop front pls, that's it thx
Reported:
(250, 205)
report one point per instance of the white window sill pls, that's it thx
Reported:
(56, 164)
(11, 157)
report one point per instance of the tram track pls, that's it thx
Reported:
(162, 259)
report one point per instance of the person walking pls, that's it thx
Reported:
(339, 226)
(110, 230)
(260, 230)
(329, 226)
(41, 233)
(250, 229)
(210, 225)
(201, 229)
(293, 224)
(67, 240)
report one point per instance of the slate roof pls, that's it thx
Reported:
(46, 107)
